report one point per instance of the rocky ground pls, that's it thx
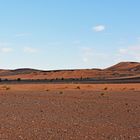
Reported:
(70, 112)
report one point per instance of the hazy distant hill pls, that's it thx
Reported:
(120, 70)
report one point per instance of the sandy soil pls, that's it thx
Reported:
(70, 111)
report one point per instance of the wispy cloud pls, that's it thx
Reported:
(3, 44)
(5, 47)
(98, 28)
(6, 50)
(23, 34)
(93, 57)
(133, 52)
(30, 50)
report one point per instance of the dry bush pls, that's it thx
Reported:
(102, 94)
(78, 87)
(105, 88)
(61, 92)
(6, 87)
(132, 88)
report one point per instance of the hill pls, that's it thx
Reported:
(120, 70)
(125, 66)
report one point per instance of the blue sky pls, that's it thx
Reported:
(67, 34)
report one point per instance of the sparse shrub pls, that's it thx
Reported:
(62, 78)
(47, 90)
(6, 79)
(18, 79)
(102, 94)
(105, 88)
(132, 88)
(6, 87)
(61, 92)
(78, 87)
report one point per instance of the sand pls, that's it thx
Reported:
(70, 111)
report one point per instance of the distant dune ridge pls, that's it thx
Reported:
(120, 70)
(128, 66)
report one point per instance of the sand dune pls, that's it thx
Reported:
(120, 70)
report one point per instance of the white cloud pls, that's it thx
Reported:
(93, 57)
(99, 28)
(22, 34)
(122, 51)
(6, 50)
(30, 50)
(5, 47)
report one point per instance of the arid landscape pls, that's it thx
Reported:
(70, 111)
(76, 111)
(69, 70)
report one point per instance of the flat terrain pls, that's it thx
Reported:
(70, 111)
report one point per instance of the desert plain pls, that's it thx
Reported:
(70, 111)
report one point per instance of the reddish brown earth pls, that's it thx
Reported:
(121, 70)
(70, 111)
